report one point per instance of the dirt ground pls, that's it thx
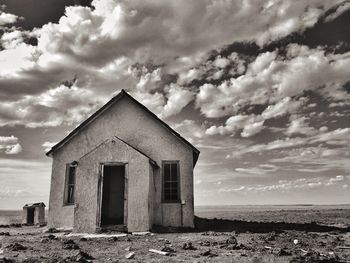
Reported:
(213, 241)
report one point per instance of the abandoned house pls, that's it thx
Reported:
(33, 214)
(123, 167)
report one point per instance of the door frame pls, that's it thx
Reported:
(100, 191)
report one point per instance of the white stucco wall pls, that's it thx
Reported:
(132, 124)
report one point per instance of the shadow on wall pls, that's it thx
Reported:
(239, 226)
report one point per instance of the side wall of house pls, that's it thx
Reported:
(133, 124)
(89, 175)
(60, 215)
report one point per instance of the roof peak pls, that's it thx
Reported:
(121, 94)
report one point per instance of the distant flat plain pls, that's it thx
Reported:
(337, 215)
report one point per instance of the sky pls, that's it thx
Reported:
(261, 88)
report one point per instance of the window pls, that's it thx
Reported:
(171, 181)
(70, 184)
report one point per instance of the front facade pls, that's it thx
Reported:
(122, 167)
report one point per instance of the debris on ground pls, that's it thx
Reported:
(208, 253)
(159, 252)
(142, 233)
(128, 248)
(205, 243)
(167, 249)
(130, 255)
(16, 247)
(188, 246)
(113, 239)
(80, 256)
(166, 241)
(231, 240)
(5, 260)
(70, 244)
(280, 252)
(50, 230)
(4, 233)
(51, 237)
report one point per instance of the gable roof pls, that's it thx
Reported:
(116, 98)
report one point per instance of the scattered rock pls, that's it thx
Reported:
(70, 244)
(128, 249)
(51, 237)
(271, 236)
(210, 233)
(231, 240)
(164, 253)
(167, 249)
(44, 240)
(280, 252)
(31, 260)
(6, 260)
(188, 246)
(113, 239)
(166, 241)
(83, 239)
(4, 233)
(16, 247)
(81, 256)
(50, 230)
(208, 253)
(130, 255)
(205, 243)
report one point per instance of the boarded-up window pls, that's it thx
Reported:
(70, 185)
(171, 181)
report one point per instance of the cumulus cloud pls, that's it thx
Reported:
(10, 145)
(7, 18)
(61, 105)
(299, 125)
(250, 124)
(178, 98)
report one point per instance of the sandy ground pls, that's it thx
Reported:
(214, 241)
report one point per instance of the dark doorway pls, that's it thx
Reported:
(112, 212)
(30, 216)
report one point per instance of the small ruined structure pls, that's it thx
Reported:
(33, 214)
(122, 167)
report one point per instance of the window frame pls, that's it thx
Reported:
(67, 184)
(178, 200)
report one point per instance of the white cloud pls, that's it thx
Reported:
(276, 81)
(250, 124)
(10, 145)
(299, 125)
(48, 145)
(342, 8)
(178, 98)
(252, 129)
(286, 105)
(6, 18)
(61, 105)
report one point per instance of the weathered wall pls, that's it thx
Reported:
(60, 216)
(137, 172)
(132, 124)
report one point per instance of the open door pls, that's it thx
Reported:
(113, 195)
(30, 216)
